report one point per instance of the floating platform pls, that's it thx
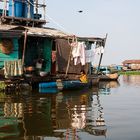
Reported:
(22, 21)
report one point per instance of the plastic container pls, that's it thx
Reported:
(18, 8)
(28, 9)
(48, 85)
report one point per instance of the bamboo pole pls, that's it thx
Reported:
(101, 55)
(24, 47)
(36, 6)
(74, 39)
(5, 8)
(68, 64)
(44, 7)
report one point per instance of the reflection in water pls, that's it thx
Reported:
(82, 113)
(105, 86)
(95, 123)
(62, 115)
(71, 115)
(131, 79)
(8, 119)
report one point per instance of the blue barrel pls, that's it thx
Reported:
(18, 7)
(28, 11)
(48, 85)
(48, 90)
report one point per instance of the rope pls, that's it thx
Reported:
(56, 23)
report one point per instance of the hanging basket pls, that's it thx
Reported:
(6, 46)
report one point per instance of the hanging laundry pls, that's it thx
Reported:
(13, 68)
(93, 46)
(89, 54)
(53, 56)
(99, 49)
(78, 53)
(102, 49)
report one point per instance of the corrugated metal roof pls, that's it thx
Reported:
(6, 32)
(15, 30)
(131, 62)
(46, 32)
(35, 31)
(92, 39)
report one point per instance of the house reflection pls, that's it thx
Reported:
(131, 79)
(106, 86)
(27, 117)
(61, 115)
(9, 114)
(95, 123)
(82, 113)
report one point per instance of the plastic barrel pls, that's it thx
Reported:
(28, 11)
(48, 90)
(48, 85)
(18, 7)
(10, 8)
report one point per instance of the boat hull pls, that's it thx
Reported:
(112, 76)
(53, 87)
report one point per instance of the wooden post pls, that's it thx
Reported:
(36, 6)
(44, 6)
(68, 64)
(29, 10)
(24, 47)
(74, 39)
(5, 8)
(101, 55)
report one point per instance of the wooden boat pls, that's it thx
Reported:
(109, 76)
(105, 73)
(54, 87)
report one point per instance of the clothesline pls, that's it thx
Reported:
(82, 54)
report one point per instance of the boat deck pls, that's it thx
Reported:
(22, 21)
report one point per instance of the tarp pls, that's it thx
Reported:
(62, 56)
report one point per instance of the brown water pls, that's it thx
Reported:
(109, 112)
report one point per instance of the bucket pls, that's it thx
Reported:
(28, 11)
(18, 7)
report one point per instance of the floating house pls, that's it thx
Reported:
(131, 65)
(39, 45)
(35, 54)
(38, 52)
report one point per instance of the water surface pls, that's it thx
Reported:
(108, 112)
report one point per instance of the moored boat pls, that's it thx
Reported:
(54, 87)
(105, 73)
(110, 76)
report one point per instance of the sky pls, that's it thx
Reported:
(120, 19)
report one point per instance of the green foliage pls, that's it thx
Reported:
(2, 85)
(129, 72)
